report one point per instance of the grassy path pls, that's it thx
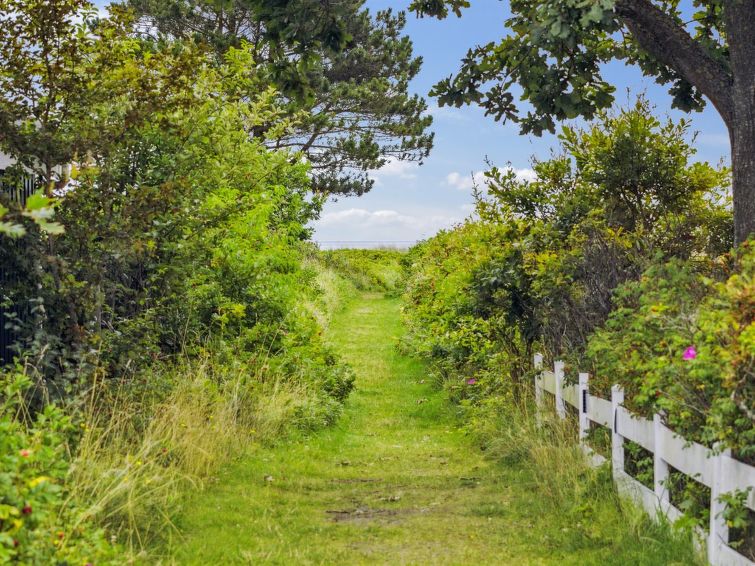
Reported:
(395, 482)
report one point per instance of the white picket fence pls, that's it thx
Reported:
(717, 470)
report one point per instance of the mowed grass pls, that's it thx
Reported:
(395, 482)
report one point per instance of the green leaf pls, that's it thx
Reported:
(54, 228)
(12, 230)
(38, 201)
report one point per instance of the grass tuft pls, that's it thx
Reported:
(138, 456)
(580, 507)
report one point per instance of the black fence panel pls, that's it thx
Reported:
(9, 276)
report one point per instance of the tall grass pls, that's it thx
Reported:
(333, 290)
(367, 270)
(577, 501)
(138, 454)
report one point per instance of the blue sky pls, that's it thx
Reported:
(410, 202)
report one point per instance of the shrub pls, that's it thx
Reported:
(683, 343)
(39, 522)
(539, 267)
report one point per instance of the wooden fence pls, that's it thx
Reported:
(715, 469)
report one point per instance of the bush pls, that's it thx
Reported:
(616, 257)
(680, 342)
(39, 522)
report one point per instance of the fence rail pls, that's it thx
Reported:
(715, 469)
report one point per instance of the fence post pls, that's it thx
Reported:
(583, 392)
(538, 361)
(719, 531)
(617, 440)
(558, 371)
(660, 466)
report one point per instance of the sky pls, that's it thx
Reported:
(409, 202)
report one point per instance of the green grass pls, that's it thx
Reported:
(367, 270)
(396, 481)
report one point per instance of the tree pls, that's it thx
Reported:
(62, 68)
(361, 114)
(280, 30)
(42, 82)
(556, 47)
(345, 78)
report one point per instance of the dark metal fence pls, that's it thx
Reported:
(9, 277)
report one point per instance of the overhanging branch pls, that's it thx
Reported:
(660, 35)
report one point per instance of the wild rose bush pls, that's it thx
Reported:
(683, 343)
(538, 266)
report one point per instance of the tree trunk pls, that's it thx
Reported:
(741, 38)
(742, 134)
(730, 87)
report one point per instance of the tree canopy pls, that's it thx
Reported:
(342, 72)
(555, 51)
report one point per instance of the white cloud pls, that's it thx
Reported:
(360, 225)
(525, 174)
(466, 182)
(446, 113)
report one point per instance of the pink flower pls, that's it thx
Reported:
(25, 453)
(690, 353)
(471, 381)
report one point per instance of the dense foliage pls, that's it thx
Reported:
(615, 258)
(183, 232)
(682, 342)
(163, 298)
(342, 74)
(541, 262)
(36, 515)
